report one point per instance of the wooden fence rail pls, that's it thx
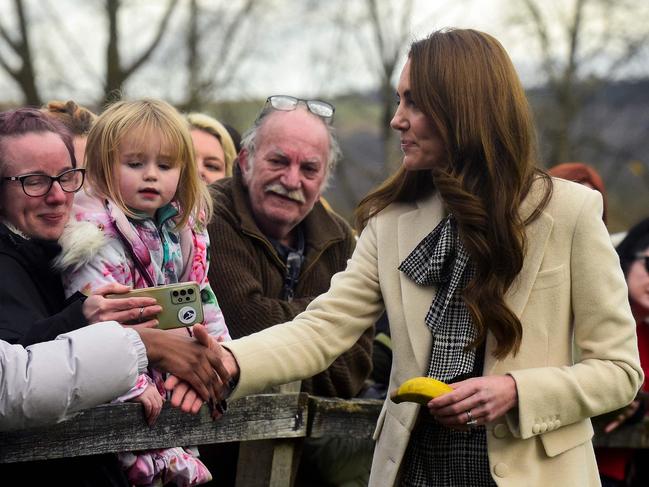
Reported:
(271, 423)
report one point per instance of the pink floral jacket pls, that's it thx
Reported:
(102, 245)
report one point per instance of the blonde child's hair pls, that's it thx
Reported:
(137, 120)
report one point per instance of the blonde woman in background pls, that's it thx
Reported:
(215, 150)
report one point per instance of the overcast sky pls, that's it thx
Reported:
(294, 52)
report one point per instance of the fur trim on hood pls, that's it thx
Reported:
(80, 243)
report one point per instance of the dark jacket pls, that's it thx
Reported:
(247, 276)
(31, 294)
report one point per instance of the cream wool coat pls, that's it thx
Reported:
(578, 356)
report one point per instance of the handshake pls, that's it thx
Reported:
(201, 369)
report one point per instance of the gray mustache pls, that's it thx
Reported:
(295, 195)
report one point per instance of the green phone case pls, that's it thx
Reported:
(181, 303)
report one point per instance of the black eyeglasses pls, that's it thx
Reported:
(645, 258)
(287, 103)
(36, 185)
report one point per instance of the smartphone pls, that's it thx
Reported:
(181, 303)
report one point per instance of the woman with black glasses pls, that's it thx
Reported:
(39, 177)
(38, 180)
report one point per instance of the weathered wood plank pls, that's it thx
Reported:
(269, 462)
(255, 463)
(335, 417)
(274, 417)
(121, 427)
(282, 471)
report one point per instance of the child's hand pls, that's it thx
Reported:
(152, 402)
(183, 396)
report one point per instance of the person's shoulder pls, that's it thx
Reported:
(398, 208)
(565, 188)
(324, 224)
(569, 197)
(570, 203)
(10, 260)
(16, 272)
(85, 203)
(81, 242)
(222, 187)
(341, 222)
(13, 254)
(88, 210)
(6, 248)
(222, 193)
(566, 197)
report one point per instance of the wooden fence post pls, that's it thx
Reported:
(270, 462)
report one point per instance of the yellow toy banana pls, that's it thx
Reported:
(420, 390)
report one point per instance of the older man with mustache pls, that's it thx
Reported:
(274, 246)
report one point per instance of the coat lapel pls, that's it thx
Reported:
(413, 226)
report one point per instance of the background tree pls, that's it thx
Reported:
(217, 42)
(379, 32)
(383, 44)
(391, 31)
(19, 45)
(117, 72)
(583, 45)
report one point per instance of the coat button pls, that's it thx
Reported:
(501, 470)
(500, 430)
(536, 429)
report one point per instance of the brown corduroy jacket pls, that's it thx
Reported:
(247, 276)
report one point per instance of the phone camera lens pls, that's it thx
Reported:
(175, 293)
(190, 291)
(183, 292)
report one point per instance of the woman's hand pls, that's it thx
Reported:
(185, 395)
(202, 366)
(484, 398)
(141, 310)
(152, 402)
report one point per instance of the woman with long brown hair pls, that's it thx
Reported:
(496, 279)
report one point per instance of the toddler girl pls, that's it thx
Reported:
(142, 223)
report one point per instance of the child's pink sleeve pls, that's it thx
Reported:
(216, 322)
(212, 314)
(143, 381)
